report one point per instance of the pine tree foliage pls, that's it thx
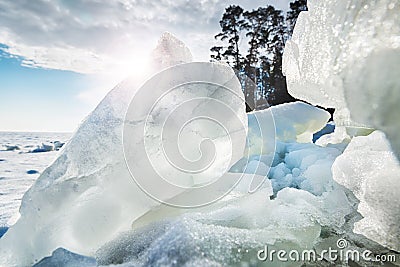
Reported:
(264, 31)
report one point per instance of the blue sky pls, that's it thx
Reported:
(37, 99)
(59, 58)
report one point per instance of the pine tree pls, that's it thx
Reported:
(266, 31)
(260, 68)
(218, 54)
(258, 25)
(276, 47)
(231, 25)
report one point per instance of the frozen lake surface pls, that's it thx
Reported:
(19, 167)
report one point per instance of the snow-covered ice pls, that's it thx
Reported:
(346, 55)
(228, 234)
(56, 145)
(65, 258)
(288, 122)
(370, 169)
(19, 168)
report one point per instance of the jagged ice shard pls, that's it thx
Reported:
(346, 55)
(369, 169)
(87, 196)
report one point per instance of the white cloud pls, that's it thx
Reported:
(94, 36)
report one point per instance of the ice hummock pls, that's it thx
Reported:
(87, 195)
(87, 200)
(300, 206)
(231, 232)
(292, 209)
(346, 55)
(282, 147)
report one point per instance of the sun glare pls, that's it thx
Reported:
(132, 65)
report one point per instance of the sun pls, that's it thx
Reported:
(135, 65)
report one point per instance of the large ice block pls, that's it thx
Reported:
(346, 55)
(87, 196)
(370, 169)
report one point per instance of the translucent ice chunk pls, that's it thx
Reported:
(288, 122)
(346, 55)
(369, 169)
(87, 196)
(230, 234)
(170, 51)
(65, 258)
